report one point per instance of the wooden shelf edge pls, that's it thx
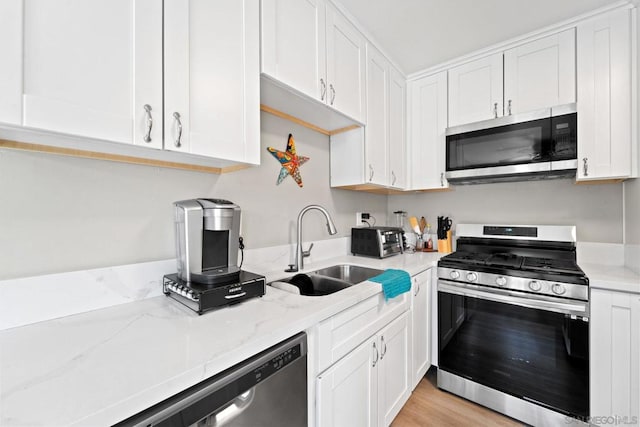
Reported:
(377, 189)
(601, 181)
(306, 124)
(72, 152)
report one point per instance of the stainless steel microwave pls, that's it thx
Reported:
(536, 145)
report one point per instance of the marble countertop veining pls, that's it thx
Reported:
(100, 367)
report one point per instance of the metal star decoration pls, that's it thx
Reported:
(290, 161)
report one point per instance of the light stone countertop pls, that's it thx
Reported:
(613, 278)
(100, 367)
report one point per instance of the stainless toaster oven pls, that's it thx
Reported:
(379, 242)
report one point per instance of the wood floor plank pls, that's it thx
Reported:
(429, 406)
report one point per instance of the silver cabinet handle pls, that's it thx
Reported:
(375, 349)
(147, 136)
(509, 107)
(585, 166)
(370, 172)
(441, 179)
(333, 93)
(417, 288)
(234, 296)
(393, 178)
(384, 347)
(495, 110)
(323, 89)
(177, 142)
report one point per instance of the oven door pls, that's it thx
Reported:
(535, 350)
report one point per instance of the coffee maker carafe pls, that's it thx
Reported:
(207, 240)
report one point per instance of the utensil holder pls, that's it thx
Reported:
(444, 245)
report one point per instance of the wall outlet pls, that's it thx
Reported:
(361, 217)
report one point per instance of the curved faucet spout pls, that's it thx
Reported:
(300, 253)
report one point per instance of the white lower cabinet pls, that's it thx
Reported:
(369, 386)
(420, 326)
(615, 356)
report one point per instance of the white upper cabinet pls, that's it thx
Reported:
(293, 44)
(88, 69)
(605, 132)
(377, 131)
(212, 86)
(397, 129)
(11, 54)
(475, 90)
(540, 74)
(345, 66)
(427, 127)
(310, 47)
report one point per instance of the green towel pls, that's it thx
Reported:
(394, 282)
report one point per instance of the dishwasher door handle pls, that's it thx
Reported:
(232, 410)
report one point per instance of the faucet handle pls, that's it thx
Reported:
(307, 252)
(292, 269)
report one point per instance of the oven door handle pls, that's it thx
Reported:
(575, 308)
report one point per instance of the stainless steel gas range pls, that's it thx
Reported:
(513, 322)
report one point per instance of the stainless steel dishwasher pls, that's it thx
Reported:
(269, 389)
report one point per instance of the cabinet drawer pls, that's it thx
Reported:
(343, 332)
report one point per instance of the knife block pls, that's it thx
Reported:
(444, 245)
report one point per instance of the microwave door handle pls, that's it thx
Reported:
(504, 296)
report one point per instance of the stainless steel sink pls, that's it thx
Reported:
(349, 273)
(327, 280)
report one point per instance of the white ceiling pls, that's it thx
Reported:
(417, 34)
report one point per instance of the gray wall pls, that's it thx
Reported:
(62, 214)
(596, 210)
(632, 211)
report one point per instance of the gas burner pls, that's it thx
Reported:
(505, 260)
(467, 257)
(551, 265)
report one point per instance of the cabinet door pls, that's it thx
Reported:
(376, 130)
(615, 354)
(393, 371)
(346, 392)
(397, 134)
(11, 54)
(604, 110)
(420, 326)
(293, 44)
(475, 91)
(345, 66)
(540, 74)
(212, 95)
(427, 126)
(90, 67)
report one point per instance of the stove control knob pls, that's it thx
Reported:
(454, 274)
(472, 277)
(535, 285)
(558, 289)
(501, 281)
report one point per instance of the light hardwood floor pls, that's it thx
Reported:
(429, 406)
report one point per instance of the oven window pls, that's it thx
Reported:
(536, 355)
(508, 145)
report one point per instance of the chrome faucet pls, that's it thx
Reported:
(300, 253)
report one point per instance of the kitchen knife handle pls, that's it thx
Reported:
(149, 117)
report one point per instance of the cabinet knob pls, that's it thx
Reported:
(177, 142)
(323, 89)
(585, 166)
(149, 119)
